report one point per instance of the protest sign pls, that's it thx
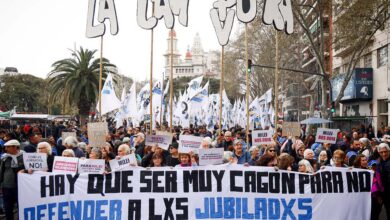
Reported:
(209, 192)
(91, 166)
(163, 141)
(65, 164)
(262, 137)
(188, 143)
(97, 132)
(123, 162)
(291, 129)
(211, 156)
(164, 133)
(35, 161)
(64, 135)
(325, 135)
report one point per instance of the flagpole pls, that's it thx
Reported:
(221, 90)
(151, 77)
(100, 77)
(276, 79)
(162, 98)
(171, 84)
(247, 84)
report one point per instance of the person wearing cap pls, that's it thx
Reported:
(33, 139)
(384, 170)
(11, 164)
(126, 140)
(240, 153)
(139, 144)
(173, 158)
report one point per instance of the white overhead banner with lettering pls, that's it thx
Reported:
(210, 192)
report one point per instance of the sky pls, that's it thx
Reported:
(36, 33)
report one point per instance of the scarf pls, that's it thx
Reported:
(14, 161)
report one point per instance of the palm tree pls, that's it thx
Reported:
(75, 80)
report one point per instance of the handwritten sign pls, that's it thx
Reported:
(325, 135)
(262, 137)
(162, 141)
(65, 164)
(188, 143)
(35, 161)
(97, 132)
(124, 162)
(91, 166)
(210, 156)
(291, 129)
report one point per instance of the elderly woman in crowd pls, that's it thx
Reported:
(338, 159)
(384, 170)
(323, 158)
(71, 143)
(68, 153)
(11, 164)
(304, 166)
(365, 147)
(361, 162)
(255, 155)
(206, 143)
(95, 154)
(45, 148)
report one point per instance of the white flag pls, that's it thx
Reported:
(194, 86)
(110, 101)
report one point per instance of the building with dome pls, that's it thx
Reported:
(196, 61)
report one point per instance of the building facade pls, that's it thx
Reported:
(196, 61)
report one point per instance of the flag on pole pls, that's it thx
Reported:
(109, 99)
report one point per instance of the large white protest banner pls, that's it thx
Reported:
(262, 137)
(123, 162)
(325, 135)
(162, 141)
(210, 192)
(35, 161)
(91, 166)
(188, 143)
(65, 164)
(97, 132)
(210, 156)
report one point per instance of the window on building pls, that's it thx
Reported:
(382, 56)
(368, 60)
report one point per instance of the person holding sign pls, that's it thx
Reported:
(11, 164)
(45, 148)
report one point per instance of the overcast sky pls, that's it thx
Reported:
(36, 33)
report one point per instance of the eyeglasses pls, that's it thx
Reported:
(383, 152)
(271, 150)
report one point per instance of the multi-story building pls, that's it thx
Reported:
(367, 97)
(196, 61)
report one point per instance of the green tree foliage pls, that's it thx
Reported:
(75, 80)
(26, 92)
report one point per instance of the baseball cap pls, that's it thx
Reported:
(174, 145)
(12, 143)
(372, 162)
(126, 139)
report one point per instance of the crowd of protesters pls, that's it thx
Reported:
(359, 148)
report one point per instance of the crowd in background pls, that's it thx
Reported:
(360, 148)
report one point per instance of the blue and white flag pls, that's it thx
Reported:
(109, 99)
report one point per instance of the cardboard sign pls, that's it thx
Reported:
(91, 166)
(325, 135)
(262, 137)
(35, 161)
(163, 141)
(291, 129)
(65, 164)
(124, 162)
(64, 135)
(188, 143)
(97, 132)
(210, 156)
